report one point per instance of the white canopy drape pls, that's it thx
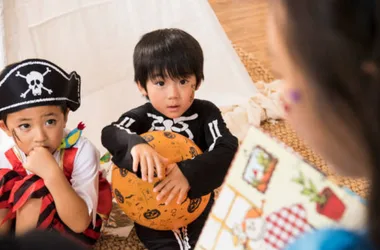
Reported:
(96, 38)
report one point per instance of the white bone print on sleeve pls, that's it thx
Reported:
(125, 124)
(214, 130)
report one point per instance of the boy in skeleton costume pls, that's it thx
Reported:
(45, 182)
(168, 67)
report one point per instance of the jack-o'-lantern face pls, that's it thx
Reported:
(123, 172)
(193, 152)
(119, 196)
(169, 135)
(148, 138)
(193, 205)
(152, 214)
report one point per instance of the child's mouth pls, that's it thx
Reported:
(173, 108)
(46, 147)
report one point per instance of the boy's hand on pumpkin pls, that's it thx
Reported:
(150, 162)
(174, 184)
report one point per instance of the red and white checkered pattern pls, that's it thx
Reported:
(285, 225)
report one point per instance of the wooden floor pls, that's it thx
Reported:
(244, 21)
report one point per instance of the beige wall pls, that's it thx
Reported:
(96, 38)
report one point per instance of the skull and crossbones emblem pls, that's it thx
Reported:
(35, 81)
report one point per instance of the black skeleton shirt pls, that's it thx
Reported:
(202, 123)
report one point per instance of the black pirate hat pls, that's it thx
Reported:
(37, 82)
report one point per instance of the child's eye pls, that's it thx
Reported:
(160, 83)
(183, 81)
(24, 126)
(51, 122)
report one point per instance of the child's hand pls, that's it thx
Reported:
(174, 184)
(150, 162)
(41, 162)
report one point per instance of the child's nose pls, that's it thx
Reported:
(40, 136)
(173, 92)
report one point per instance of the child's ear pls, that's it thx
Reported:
(66, 116)
(4, 127)
(142, 89)
(198, 85)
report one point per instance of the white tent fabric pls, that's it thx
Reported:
(96, 38)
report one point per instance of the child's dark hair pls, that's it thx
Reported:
(333, 41)
(167, 53)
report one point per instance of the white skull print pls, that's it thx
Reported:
(35, 82)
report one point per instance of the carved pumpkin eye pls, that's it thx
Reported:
(194, 204)
(152, 214)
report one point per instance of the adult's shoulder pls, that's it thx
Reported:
(332, 238)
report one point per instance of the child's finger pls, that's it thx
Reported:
(150, 165)
(161, 185)
(136, 161)
(167, 189)
(174, 192)
(182, 195)
(159, 168)
(143, 168)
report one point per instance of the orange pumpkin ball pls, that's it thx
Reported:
(136, 197)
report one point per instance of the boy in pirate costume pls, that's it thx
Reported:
(48, 181)
(168, 68)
